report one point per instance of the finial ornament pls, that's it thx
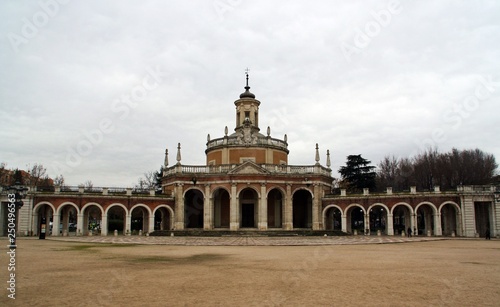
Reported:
(208, 137)
(268, 131)
(166, 158)
(246, 73)
(225, 131)
(328, 164)
(179, 153)
(317, 154)
(247, 93)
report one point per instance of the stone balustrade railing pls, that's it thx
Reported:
(225, 168)
(488, 189)
(259, 141)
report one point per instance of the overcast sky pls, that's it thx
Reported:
(97, 90)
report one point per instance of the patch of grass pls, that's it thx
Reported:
(177, 260)
(152, 259)
(85, 247)
(78, 248)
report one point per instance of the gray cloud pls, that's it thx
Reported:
(400, 89)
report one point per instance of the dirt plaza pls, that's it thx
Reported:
(347, 271)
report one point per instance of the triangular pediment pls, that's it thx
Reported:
(248, 167)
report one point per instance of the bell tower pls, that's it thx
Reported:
(246, 143)
(247, 110)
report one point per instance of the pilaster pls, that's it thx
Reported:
(234, 210)
(207, 209)
(316, 224)
(288, 223)
(468, 216)
(496, 207)
(179, 207)
(262, 224)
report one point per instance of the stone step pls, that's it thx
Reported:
(246, 233)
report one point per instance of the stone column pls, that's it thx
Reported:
(366, 229)
(288, 218)
(208, 209)
(496, 216)
(55, 225)
(234, 223)
(460, 231)
(151, 224)
(344, 222)
(179, 207)
(390, 225)
(437, 225)
(104, 225)
(493, 218)
(65, 218)
(468, 216)
(262, 223)
(413, 224)
(35, 223)
(79, 224)
(316, 214)
(128, 222)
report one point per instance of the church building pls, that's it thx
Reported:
(247, 181)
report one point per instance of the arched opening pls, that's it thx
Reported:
(449, 218)
(425, 219)
(248, 208)
(221, 209)
(401, 218)
(162, 219)
(116, 219)
(139, 220)
(274, 209)
(483, 217)
(68, 219)
(92, 218)
(302, 209)
(333, 219)
(378, 219)
(355, 219)
(44, 212)
(193, 209)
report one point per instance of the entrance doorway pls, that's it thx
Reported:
(482, 215)
(247, 216)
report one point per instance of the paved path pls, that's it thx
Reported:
(246, 241)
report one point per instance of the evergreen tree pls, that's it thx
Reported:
(358, 174)
(158, 177)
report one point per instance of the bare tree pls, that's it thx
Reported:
(148, 182)
(88, 185)
(37, 174)
(431, 168)
(5, 174)
(387, 172)
(59, 181)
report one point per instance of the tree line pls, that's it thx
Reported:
(425, 171)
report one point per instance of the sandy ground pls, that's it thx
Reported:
(436, 273)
